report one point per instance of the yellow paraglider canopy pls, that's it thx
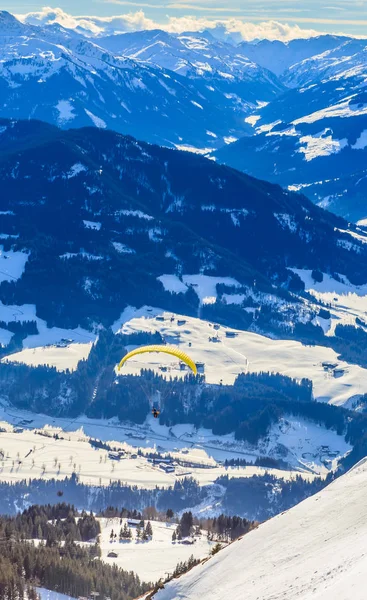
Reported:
(172, 350)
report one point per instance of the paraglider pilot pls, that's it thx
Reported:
(156, 412)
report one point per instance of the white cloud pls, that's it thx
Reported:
(94, 25)
(135, 21)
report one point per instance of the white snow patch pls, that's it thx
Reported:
(173, 284)
(234, 298)
(98, 122)
(205, 286)
(12, 264)
(62, 358)
(66, 111)
(135, 213)
(75, 170)
(252, 119)
(188, 148)
(122, 249)
(286, 220)
(361, 143)
(344, 109)
(48, 595)
(92, 225)
(320, 145)
(230, 139)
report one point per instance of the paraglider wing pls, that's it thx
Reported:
(172, 350)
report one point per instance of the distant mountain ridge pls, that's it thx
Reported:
(102, 216)
(59, 76)
(296, 110)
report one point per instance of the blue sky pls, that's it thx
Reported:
(349, 16)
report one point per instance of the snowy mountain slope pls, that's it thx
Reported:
(279, 56)
(342, 63)
(313, 136)
(65, 79)
(314, 550)
(323, 154)
(219, 65)
(247, 353)
(114, 209)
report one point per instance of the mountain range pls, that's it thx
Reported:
(102, 216)
(292, 113)
(60, 77)
(314, 137)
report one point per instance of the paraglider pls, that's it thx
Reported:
(172, 350)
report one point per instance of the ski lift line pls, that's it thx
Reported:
(8, 275)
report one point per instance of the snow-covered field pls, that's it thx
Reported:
(311, 450)
(229, 356)
(246, 352)
(153, 559)
(316, 550)
(347, 302)
(46, 335)
(62, 358)
(12, 264)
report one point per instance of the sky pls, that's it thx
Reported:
(255, 18)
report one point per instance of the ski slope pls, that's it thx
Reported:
(316, 550)
(246, 352)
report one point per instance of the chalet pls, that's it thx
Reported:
(160, 319)
(114, 455)
(167, 468)
(200, 367)
(231, 334)
(164, 461)
(181, 322)
(134, 522)
(112, 554)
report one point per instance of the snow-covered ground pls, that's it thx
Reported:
(12, 264)
(316, 550)
(48, 595)
(46, 335)
(205, 286)
(153, 559)
(347, 302)
(312, 450)
(246, 352)
(62, 358)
